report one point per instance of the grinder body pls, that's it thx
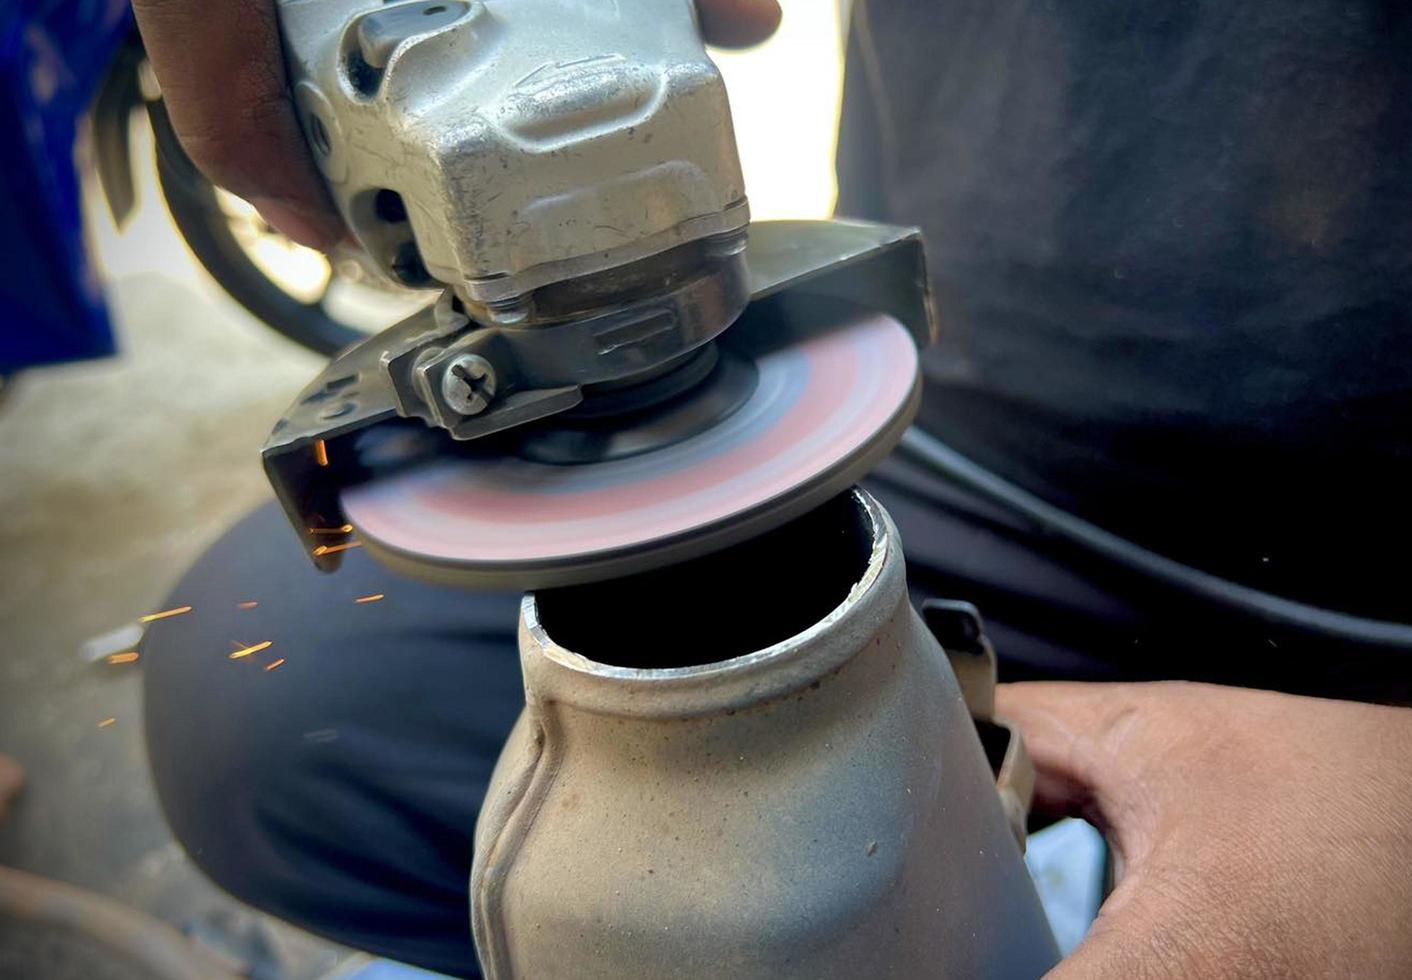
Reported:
(809, 801)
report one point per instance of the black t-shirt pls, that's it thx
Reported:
(1171, 246)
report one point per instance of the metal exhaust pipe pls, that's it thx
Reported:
(756, 765)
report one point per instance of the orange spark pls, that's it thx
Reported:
(164, 614)
(122, 658)
(332, 549)
(247, 604)
(345, 529)
(106, 722)
(375, 597)
(321, 453)
(274, 663)
(246, 651)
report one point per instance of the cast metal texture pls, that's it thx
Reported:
(502, 145)
(819, 808)
(539, 368)
(793, 266)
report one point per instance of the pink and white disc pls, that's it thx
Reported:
(823, 412)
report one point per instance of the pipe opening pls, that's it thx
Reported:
(722, 606)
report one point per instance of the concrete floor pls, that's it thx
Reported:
(117, 474)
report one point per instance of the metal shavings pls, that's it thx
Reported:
(247, 651)
(164, 614)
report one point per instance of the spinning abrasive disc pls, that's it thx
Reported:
(825, 408)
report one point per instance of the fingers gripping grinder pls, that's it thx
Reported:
(743, 753)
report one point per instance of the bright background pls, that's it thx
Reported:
(785, 98)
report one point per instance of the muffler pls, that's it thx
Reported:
(758, 764)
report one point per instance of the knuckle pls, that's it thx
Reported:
(251, 146)
(224, 159)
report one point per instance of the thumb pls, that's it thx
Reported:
(223, 81)
(738, 23)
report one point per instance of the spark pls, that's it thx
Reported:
(246, 651)
(321, 452)
(247, 604)
(333, 549)
(164, 614)
(122, 658)
(345, 529)
(375, 597)
(106, 722)
(274, 663)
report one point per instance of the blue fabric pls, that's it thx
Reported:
(389, 970)
(53, 57)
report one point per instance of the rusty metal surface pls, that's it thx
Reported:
(821, 807)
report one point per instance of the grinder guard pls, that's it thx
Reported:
(310, 456)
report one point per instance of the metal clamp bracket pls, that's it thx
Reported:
(957, 626)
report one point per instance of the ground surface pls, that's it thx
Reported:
(116, 474)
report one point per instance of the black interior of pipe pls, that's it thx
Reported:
(724, 605)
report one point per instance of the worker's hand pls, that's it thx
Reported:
(1256, 834)
(223, 81)
(738, 23)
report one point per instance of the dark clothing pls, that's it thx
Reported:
(339, 790)
(1172, 250)
(1171, 245)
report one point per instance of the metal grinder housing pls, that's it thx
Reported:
(566, 171)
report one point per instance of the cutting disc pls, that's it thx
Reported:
(826, 408)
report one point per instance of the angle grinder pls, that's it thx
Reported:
(620, 372)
